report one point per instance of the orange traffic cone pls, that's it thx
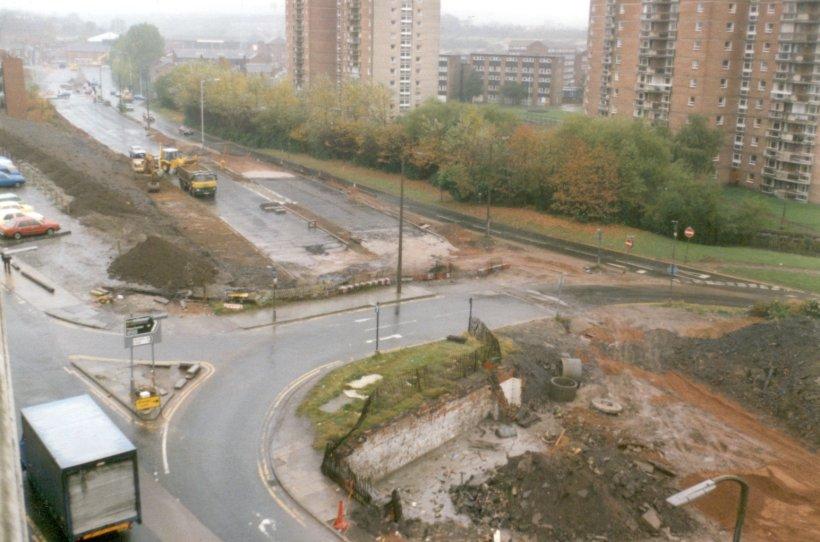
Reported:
(340, 523)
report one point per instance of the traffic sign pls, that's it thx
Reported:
(689, 232)
(629, 242)
(147, 403)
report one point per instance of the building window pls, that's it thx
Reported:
(725, 64)
(761, 85)
(695, 64)
(769, 28)
(759, 103)
(755, 140)
(757, 122)
(693, 83)
(724, 83)
(750, 178)
(767, 47)
(730, 27)
(721, 101)
(696, 45)
(618, 44)
(700, 7)
(727, 45)
(770, 9)
(698, 26)
(732, 7)
(753, 160)
(719, 120)
(691, 101)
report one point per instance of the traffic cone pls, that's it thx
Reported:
(340, 523)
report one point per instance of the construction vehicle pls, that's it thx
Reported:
(170, 159)
(197, 180)
(147, 166)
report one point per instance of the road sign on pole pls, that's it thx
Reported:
(629, 243)
(689, 232)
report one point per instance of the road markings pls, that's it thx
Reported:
(382, 339)
(360, 320)
(167, 415)
(267, 527)
(385, 326)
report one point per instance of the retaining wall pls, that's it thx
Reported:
(390, 447)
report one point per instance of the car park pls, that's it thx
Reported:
(15, 200)
(27, 226)
(16, 206)
(139, 97)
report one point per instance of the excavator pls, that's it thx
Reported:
(170, 159)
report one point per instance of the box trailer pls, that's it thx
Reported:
(83, 468)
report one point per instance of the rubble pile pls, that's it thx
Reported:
(588, 489)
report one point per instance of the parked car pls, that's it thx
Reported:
(11, 176)
(9, 199)
(10, 214)
(63, 95)
(184, 130)
(139, 97)
(136, 152)
(25, 226)
(128, 107)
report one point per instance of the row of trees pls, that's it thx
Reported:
(591, 169)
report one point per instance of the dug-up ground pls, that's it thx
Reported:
(704, 392)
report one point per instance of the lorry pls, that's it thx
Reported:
(83, 468)
(197, 180)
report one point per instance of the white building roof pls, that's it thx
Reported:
(108, 36)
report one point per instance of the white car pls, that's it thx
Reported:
(136, 152)
(16, 206)
(10, 214)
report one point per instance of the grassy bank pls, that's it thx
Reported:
(437, 359)
(750, 263)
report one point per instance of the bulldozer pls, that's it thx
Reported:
(170, 159)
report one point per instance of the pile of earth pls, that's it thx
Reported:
(588, 490)
(163, 264)
(771, 366)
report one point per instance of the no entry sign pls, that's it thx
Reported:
(689, 232)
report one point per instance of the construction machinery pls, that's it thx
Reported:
(148, 166)
(171, 158)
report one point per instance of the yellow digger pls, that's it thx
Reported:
(170, 159)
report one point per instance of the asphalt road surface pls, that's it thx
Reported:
(201, 475)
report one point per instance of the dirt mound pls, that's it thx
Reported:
(160, 263)
(772, 366)
(585, 491)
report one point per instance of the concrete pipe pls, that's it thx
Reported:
(562, 389)
(571, 368)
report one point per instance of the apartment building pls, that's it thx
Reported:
(751, 67)
(390, 42)
(574, 64)
(13, 99)
(452, 73)
(542, 75)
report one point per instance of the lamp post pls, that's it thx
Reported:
(672, 270)
(275, 283)
(377, 327)
(600, 235)
(489, 202)
(202, 110)
(401, 231)
(707, 486)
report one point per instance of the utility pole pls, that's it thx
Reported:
(377, 327)
(401, 230)
(489, 201)
(102, 96)
(600, 235)
(202, 112)
(674, 247)
(470, 319)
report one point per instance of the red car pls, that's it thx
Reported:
(23, 226)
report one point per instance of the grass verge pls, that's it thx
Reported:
(437, 359)
(651, 245)
(800, 280)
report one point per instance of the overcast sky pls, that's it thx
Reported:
(568, 12)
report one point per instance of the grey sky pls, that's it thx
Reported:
(568, 12)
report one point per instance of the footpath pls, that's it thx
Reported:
(296, 312)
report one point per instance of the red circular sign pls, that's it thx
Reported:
(689, 232)
(628, 243)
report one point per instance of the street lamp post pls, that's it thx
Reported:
(470, 319)
(275, 283)
(202, 110)
(600, 235)
(489, 202)
(377, 326)
(401, 230)
(673, 269)
(707, 486)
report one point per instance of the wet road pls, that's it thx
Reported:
(283, 238)
(208, 477)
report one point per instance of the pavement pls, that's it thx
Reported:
(294, 312)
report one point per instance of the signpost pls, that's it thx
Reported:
(142, 331)
(378, 310)
(629, 243)
(689, 232)
(673, 268)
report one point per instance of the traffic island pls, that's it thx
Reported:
(167, 379)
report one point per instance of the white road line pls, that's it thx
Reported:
(360, 320)
(385, 326)
(168, 415)
(382, 339)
